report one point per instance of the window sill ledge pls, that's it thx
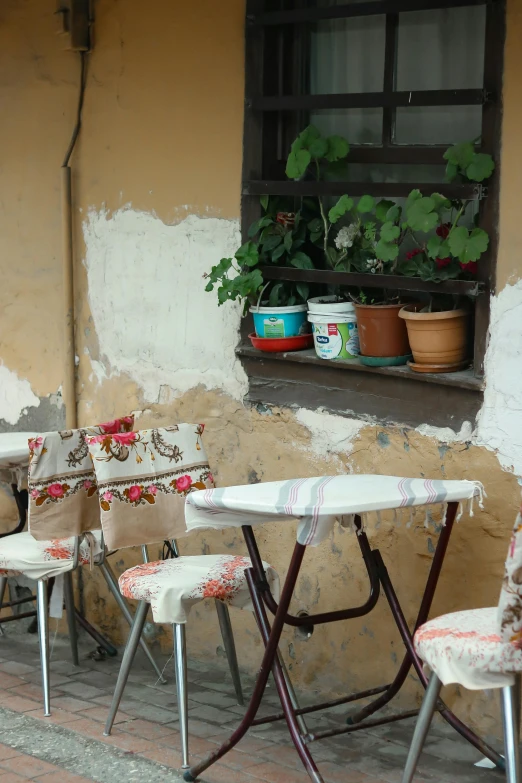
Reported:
(392, 395)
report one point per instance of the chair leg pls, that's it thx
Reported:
(180, 663)
(112, 584)
(43, 637)
(422, 727)
(511, 733)
(68, 594)
(3, 586)
(230, 648)
(128, 657)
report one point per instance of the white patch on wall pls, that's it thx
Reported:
(16, 396)
(153, 318)
(330, 434)
(499, 423)
(446, 434)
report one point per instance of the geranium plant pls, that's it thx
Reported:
(276, 238)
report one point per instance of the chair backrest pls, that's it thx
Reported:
(61, 482)
(143, 478)
(510, 602)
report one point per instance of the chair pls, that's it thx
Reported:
(62, 502)
(478, 649)
(143, 481)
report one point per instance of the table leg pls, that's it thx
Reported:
(269, 656)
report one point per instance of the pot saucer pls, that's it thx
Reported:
(437, 368)
(384, 361)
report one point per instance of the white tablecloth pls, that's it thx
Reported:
(14, 456)
(317, 502)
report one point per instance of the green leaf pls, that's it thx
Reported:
(287, 241)
(271, 242)
(318, 148)
(344, 205)
(338, 148)
(303, 289)
(382, 208)
(259, 224)
(390, 232)
(421, 215)
(306, 138)
(302, 261)
(468, 246)
(248, 254)
(460, 155)
(386, 251)
(315, 225)
(297, 163)
(441, 202)
(415, 195)
(277, 253)
(451, 171)
(275, 293)
(366, 204)
(291, 301)
(316, 236)
(393, 214)
(481, 167)
(264, 202)
(433, 247)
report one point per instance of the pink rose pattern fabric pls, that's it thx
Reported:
(23, 554)
(510, 602)
(62, 483)
(173, 586)
(143, 478)
(467, 648)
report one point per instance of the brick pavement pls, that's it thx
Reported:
(69, 746)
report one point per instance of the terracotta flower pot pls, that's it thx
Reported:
(381, 332)
(437, 338)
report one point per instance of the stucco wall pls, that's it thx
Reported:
(156, 183)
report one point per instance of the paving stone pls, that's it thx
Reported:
(81, 690)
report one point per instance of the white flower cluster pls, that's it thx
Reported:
(373, 265)
(346, 236)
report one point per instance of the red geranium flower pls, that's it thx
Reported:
(443, 230)
(470, 267)
(442, 262)
(286, 219)
(413, 253)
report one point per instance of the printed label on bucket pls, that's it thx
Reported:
(336, 341)
(274, 327)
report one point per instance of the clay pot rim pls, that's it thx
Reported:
(378, 306)
(411, 315)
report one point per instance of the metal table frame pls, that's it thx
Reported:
(263, 599)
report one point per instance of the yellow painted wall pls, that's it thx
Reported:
(162, 138)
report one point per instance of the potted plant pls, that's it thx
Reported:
(279, 309)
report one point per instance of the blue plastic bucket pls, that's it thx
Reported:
(280, 321)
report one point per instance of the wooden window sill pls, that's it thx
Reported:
(392, 395)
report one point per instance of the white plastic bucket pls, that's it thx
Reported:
(335, 335)
(328, 305)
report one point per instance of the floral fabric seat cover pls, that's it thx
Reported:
(63, 495)
(22, 554)
(143, 479)
(173, 586)
(480, 648)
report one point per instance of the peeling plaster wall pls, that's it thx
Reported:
(157, 184)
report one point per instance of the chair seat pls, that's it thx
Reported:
(466, 648)
(173, 586)
(23, 554)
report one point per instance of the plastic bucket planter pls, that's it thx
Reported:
(280, 321)
(335, 334)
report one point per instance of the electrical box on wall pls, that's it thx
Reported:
(76, 23)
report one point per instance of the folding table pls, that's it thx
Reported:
(316, 503)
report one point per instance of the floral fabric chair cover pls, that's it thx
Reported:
(143, 479)
(62, 486)
(509, 612)
(22, 554)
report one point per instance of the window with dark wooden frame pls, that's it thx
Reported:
(401, 80)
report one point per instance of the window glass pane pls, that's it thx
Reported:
(437, 124)
(339, 55)
(395, 172)
(441, 49)
(359, 126)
